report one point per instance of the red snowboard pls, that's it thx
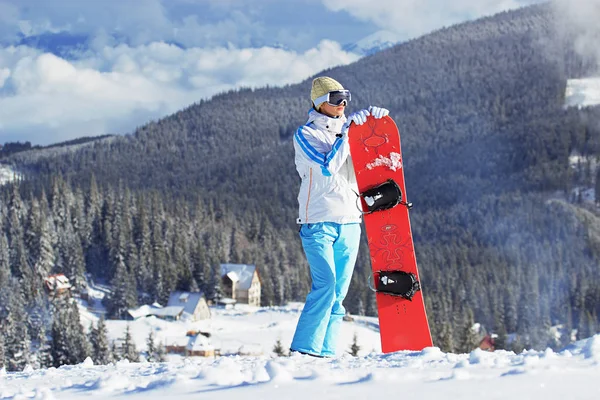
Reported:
(377, 157)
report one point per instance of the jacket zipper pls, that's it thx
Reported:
(308, 197)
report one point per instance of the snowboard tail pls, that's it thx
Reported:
(377, 159)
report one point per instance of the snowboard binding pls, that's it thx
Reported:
(383, 197)
(397, 283)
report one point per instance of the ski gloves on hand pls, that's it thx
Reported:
(360, 117)
(378, 112)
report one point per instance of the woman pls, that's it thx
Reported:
(328, 213)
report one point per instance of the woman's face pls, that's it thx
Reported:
(333, 111)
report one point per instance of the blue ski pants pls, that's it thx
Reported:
(331, 251)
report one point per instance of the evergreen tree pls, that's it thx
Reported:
(141, 235)
(160, 355)
(468, 340)
(5, 273)
(150, 347)
(354, 348)
(69, 342)
(17, 345)
(278, 349)
(123, 296)
(587, 326)
(128, 349)
(73, 260)
(517, 345)
(501, 340)
(446, 343)
(101, 353)
(2, 350)
(159, 257)
(44, 263)
(115, 354)
(43, 353)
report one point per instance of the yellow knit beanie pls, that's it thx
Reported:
(321, 86)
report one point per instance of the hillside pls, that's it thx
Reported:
(486, 143)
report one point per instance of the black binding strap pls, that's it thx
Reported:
(383, 197)
(398, 283)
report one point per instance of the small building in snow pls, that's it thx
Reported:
(57, 286)
(199, 346)
(193, 304)
(241, 283)
(173, 313)
(487, 343)
(190, 346)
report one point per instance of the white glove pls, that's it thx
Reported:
(359, 117)
(378, 112)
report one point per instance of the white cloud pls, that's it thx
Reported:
(192, 23)
(412, 18)
(128, 75)
(579, 19)
(46, 99)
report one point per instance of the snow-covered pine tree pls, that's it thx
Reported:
(114, 352)
(72, 257)
(46, 257)
(81, 344)
(159, 252)
(141, 238)
(5, 273)
(2, 352)
(123, 296)
(39, 318)
(17, 345)
(18, 254)
(446, 343)
(69, 342)
(43, 351)
(161, 352)
(150, 347)
(128, 349)
(101, 353)
(468, 340)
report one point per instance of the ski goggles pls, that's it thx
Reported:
(335, 98)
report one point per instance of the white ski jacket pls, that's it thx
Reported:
(328, 192)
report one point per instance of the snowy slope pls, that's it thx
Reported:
(582, 92)
(7, 174)
(244, 327)
(430, 374)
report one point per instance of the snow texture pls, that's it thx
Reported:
(7, 174)
(582, 92)
(393, 162)
(431, 373)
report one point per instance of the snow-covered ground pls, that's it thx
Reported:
(430, 374)
(582, 92)
(240, 329)
(7, 174)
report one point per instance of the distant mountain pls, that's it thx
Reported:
(373, 43)
(68, 45)
(62, 44)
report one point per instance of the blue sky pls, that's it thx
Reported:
(72, 68)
